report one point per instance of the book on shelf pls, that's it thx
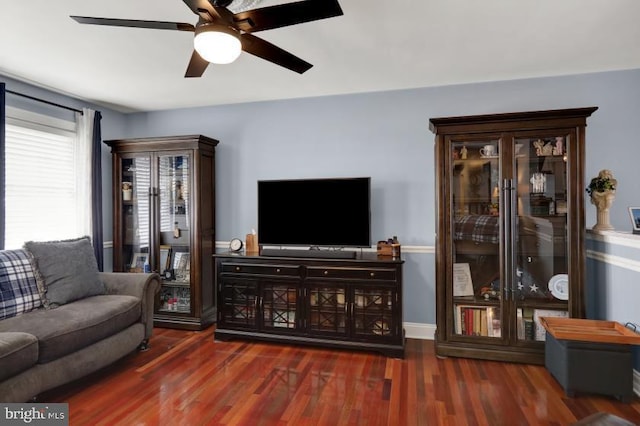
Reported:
(473, 320)
(528, 329)
(484, 330)
(520, 324)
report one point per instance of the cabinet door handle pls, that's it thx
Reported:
(372, 274)
(326, 272)
(237, 268)
(278, 270)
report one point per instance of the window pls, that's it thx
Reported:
(41, 198)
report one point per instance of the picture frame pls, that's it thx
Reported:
(634, 213)
(138, 260)
(165, 257)
(462, 283)
(182, 265)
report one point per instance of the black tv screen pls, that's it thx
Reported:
(331, 212)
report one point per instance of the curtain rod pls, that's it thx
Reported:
(43, 101)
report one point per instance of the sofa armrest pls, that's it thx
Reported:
(143, 286)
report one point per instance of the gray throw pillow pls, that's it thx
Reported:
(65, 270)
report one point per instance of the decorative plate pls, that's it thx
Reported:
(559, 286)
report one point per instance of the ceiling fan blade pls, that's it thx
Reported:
(272, 53)
(157, 25)
(282, 15)
(197, 65)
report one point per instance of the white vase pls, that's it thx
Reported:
(126, 194)
(603, 202)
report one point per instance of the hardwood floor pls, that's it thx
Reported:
(188, 379)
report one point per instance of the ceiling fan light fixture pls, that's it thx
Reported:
(217, 44)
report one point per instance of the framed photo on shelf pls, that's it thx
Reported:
(138, 261)
(634, 212)
(165, 258)
(181, 265)
(462, 283)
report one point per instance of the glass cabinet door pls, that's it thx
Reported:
(279, 305)
(174, 259)
(328, 309)
(136, 214)
(373, 311)
(541, 286)
(476, 286)
(240, 303)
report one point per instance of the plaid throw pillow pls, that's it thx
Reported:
(18, 287)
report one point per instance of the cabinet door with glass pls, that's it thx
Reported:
(173, 232)
(477, 282)
(539, 243)
(373, 315)
(279, 305)
(328, 309)
(135, 214)
(239, 299)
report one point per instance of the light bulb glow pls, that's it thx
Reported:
(218, 47)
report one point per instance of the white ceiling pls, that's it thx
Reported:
(375, 46)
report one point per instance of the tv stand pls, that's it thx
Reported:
(337, 303)
(318, 254)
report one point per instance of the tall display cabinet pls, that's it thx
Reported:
(510, 230)
(164, 222)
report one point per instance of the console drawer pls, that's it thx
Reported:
(237, 268)
(386, 274)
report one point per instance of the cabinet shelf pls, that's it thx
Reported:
(176, 284)
(475, 300)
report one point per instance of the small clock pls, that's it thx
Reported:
(235, 244)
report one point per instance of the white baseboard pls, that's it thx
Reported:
(416, 330)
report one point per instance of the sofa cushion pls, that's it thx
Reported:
(18, 351)
(65, 270)
(18, 287)
(76, 325)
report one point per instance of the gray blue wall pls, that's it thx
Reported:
(385, 135)
(613, 275)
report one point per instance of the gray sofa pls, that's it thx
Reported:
(45, 348)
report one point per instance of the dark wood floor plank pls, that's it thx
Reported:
(187, 378)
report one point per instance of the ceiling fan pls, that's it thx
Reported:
(221, 35)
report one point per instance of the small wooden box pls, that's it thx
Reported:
(387, 249)
(251, 242)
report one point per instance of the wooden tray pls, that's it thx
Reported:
(590, 330)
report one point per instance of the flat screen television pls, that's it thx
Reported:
(330, 212)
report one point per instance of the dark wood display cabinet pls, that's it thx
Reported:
(164, 221)
(340, 303)
(510, 230)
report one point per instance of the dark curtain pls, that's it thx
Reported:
(96, 191)
(2, 146)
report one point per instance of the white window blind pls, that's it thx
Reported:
(40, 188)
